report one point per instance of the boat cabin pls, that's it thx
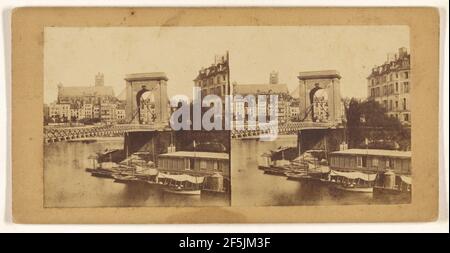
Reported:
(371, 160)
(194, 162)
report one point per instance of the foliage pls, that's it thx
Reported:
(368, 119)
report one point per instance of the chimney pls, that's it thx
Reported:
(99, 79)
(273, 77)
(402, 52)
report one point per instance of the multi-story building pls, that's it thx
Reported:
(88, 111)
(96, 111)
(243, 110)
(294, 110)
(389, 84)
(120, 112)
(214, 79)
(76, 112)
(86, 102)
(108, 112)
(59, 112)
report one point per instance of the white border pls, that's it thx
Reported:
(6, 225)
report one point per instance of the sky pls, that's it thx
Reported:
(73, 55)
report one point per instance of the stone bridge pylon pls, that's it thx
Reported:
(154, 84)
(312, 81)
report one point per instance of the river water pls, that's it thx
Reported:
(66, 184)
(251, 187)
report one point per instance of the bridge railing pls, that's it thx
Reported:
(59, 133)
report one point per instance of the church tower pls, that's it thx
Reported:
(273, 77)
(99, 79)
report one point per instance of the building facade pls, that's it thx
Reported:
(294, 109)
(244, 110)
(78, 103)
(389, 84)
(214, 79)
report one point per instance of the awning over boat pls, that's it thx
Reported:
(183, 177)
(354, 175)
(406, 179)
(147, 171)
(318, 169)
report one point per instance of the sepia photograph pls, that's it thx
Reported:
(197, 122)
(246, 116)
(110, 96)
(343, 129)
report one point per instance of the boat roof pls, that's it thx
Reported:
(354, 175)
(374, 152)
(197, 154)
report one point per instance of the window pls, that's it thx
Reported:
(406, 75)
(364, 161)
(359, 162)
(404, 103)
(396, 104)
(375, 162)
(396, 87)
(187, 164)
(390, 104)
(203, 165)
(406, 117)
(406, 87)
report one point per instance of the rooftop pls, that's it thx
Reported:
(399, 61)
(322, 74)
(374, 152)
(81, 91)
(196, 154)
(146, 76)
(218, 68)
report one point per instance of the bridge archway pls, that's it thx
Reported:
(137, 86)
(146, 106)
(313, 81)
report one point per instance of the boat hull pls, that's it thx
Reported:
(355, 189)
(102, 174)
(183, 192)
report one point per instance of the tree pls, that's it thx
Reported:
(368, 119)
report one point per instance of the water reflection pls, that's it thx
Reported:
(66, 184)
(251, 187)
